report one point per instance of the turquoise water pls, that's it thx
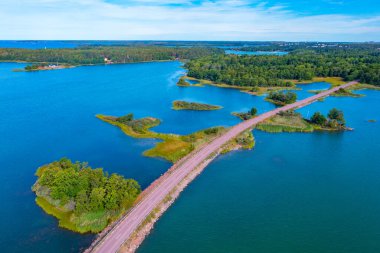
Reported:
(293, 192)
(50, 114)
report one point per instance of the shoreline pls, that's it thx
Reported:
(146, 227)
(147, 207)
(90, 64)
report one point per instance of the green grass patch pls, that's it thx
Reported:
(184, 105)
(339, 93)
(173, 147)
(288, 123)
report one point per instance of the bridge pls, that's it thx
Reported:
(121, 231)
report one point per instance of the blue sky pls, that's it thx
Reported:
(297, 20)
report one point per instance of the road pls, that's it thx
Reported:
(124, 229)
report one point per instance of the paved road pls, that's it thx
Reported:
(117, 236)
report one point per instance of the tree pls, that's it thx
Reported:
(126, 118)
(97, 199)
(335, 114)
(81, 202)
(318, 119)
(253, 111)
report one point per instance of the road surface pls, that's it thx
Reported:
(112, 241)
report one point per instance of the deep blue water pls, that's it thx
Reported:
(50, 114)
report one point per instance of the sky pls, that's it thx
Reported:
(232, 20)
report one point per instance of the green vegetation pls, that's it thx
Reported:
(336, 118)
(290, 121)
(182, 82)
(173, 147)
(184, 105)
(340, 93)
(302, 64)
(281, 97)
(43, 66)
(345, 93)
(83, 199)
(246, 115)
(101, 55)
(34, 67)
(244, 140)
(314, 46)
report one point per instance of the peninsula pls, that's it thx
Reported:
(173, 146)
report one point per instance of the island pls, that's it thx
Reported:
(281, 98)
(291, 121)
(340, 93)
(182, 82)
(81, 198)
(173, 146)
(246, 115)
(184, 105)
(45, 66)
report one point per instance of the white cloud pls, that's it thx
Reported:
(145, 19)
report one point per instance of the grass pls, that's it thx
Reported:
(243, 115)
(64, 217)
(173, 147)
(292, 122)
(184, 105)
(183, 83)
(288, 123)
(340, 93)
(93, 222)
(170, 149)
(129, 130)
(361, 86)
(334, 81)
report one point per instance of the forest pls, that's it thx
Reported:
(88, 198)
(354, 63)
(100, 55)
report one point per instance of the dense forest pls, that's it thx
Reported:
(350, 64)
(99, 55)
(84, 199)
(316, 46)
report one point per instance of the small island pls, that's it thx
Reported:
(246, 115)
(340, 93)
(173, 147)
(184, 105)
(290, 121)
(183, 83)
(281, 98)
(45, 66)
(81, 198)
